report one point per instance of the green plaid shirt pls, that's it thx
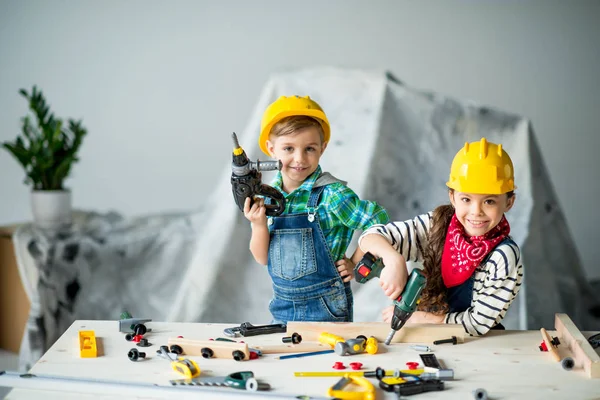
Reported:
(340, 211)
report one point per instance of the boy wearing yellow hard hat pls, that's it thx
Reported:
(305, 247)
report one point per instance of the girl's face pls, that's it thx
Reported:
(299, 154)
(479, 213)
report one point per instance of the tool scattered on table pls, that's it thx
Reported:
(356, 346)
(370, 267)
(434, 369)
(308, 354)
(430, 360)
(412, 387)
(337, 391)
(452, 340)
(343, 347)
(246, 180)
(247, 329)
(212, 348)
(127, 323)
(238, 380)
(378, 373)
(124, 389)
(295, 338)
(550, 344)
(135, 355)
(480, 394)
(420, 347)
(184, 366)
(87, 344)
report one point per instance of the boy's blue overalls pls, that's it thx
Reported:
(306, 283)
(460, 297)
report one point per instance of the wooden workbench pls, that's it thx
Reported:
(507, 364)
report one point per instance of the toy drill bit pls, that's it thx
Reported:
(246, 180)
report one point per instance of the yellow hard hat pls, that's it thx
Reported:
(287, 107)
(482, 168)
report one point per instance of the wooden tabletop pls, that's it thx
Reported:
(507, 364)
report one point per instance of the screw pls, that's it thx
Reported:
(480, 394)
(144, 343)
(451, 340)
(420, 347)
(134, 354)
(295, 338)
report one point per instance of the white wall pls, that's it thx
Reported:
(161, 85)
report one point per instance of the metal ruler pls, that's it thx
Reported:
(130, 389)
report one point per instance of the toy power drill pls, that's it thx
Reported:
(370, 267)
(246, 181)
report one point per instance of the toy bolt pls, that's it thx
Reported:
(135, 354)
(451, 340)
(144, 343)
(420, 347)
(140, 329)
(480, 394)
(295, 338)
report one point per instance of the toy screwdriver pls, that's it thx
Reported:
(246, 181)
(370, 267)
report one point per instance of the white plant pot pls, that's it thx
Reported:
(52, 209)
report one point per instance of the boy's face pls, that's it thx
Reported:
(299, 153)
(479, 213)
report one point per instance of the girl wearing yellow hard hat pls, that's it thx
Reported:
(473, 266)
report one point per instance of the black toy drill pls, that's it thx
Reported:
(246, 180)
(370, 267)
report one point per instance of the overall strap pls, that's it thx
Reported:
(313, 201)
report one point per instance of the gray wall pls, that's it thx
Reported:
(161, 85)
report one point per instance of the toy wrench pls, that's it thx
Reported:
(238, 380)
(247, 329)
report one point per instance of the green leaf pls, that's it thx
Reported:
(48, 149)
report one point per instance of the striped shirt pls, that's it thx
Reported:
(340, 211)
(496, 282)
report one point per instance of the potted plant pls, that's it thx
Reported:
(47, 151)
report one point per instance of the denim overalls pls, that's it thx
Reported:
(306, 283)
(460, 297)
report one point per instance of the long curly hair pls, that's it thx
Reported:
(433, 297)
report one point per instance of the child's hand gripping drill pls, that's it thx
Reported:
(370, 267)
(246, 180)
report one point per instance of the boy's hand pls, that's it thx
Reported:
(345, 268)
(257, 214)
(394, 276)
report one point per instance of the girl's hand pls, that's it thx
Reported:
(422, 317)
(345, 268)
(387, 314)
(394, 275)
(257, 214)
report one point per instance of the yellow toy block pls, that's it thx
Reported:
(87, 344)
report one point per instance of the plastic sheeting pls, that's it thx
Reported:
(393, 144)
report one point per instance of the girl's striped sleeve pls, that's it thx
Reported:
(408, 237)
